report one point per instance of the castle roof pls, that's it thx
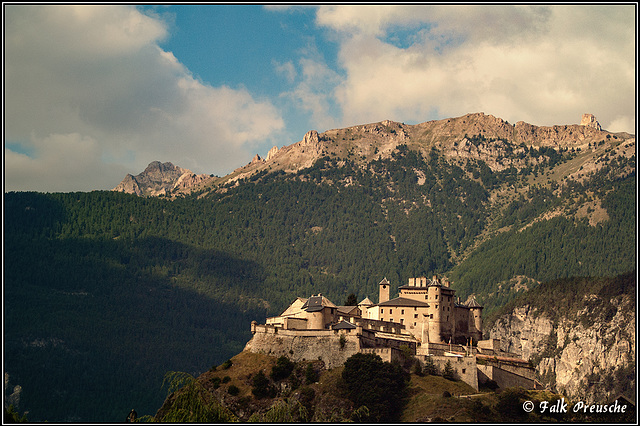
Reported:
(413, 287)
(295, 307)
(403, 301)
(343, 325)
(349, 310)
(317, 303)
(473, 303)
(367, 302)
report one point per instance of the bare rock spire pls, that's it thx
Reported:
(589, 120)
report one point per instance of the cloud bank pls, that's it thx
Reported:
(90, 97)
(542, 64)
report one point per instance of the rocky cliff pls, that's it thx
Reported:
(586, 352)
(160, 179)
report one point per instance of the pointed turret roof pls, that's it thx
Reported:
(473, 303)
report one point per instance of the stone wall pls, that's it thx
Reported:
(465, 367)
(307, 345)
(505, 378)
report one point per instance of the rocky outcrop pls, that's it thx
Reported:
(589, 120)
(160, 179)
(580, 356)
(272, 153)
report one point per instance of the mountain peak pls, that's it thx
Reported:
(160, 179)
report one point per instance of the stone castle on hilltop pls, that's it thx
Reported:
(426, 319)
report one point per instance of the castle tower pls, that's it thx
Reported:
(475, 319)
(435, 311)
(384, 291)
(315, 320)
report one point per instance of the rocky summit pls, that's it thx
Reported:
(160, 179)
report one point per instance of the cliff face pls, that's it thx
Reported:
(589, 356)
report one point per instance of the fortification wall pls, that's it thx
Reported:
(307, 345)
(504, 378)
(464, 367)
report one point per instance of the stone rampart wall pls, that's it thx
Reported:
(309, 345)
(464, 367)
(504, 379)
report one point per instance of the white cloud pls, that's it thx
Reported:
(313, 89)
(89, 83)
(542, 64)
(62, 159)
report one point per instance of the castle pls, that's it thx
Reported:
(426, 319)
(429, 310)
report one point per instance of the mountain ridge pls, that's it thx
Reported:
(368, 142)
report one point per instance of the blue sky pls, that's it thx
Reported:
(95, 92)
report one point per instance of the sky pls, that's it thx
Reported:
(93, 92)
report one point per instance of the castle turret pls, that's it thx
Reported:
(475, 319)
(384, 291)
(435, 311)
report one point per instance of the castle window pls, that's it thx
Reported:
(436, 297)
(414, 324)
(464, 370)
(402, 312)
(390, 311)
(401, 321)
(382, 310)
(415, 315)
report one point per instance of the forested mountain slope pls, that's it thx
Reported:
(105, 291)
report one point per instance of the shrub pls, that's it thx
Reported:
(343, 341)
(510, 403)
(226, 379)
(417, 369)
(429, 367)
(261, 386)
(310, 375)
(233, 390)
(378, 385)
(227, 364)
(448, 372)
(282, 369)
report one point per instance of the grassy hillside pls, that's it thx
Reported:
(228, 393)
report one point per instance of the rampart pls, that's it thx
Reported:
(506, 372)
(333, 347)
(464, 367)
